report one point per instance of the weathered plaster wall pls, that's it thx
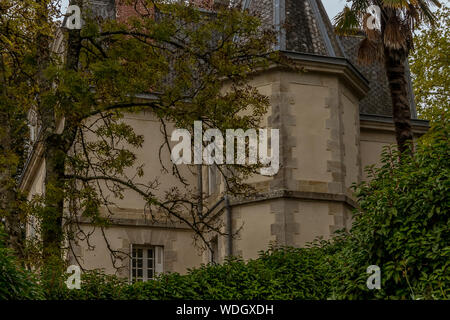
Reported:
(179, 251)
(372, 143)
(318, 117)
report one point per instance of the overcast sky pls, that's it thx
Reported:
(332, 6)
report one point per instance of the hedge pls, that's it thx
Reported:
(402, 226)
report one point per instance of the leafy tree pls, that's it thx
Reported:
(18, 25)
(391, 44)
(169, 59)
(277, 274)
(403, 226)
(16, 283)
(430, 68)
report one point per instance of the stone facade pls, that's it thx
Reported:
(325, 143)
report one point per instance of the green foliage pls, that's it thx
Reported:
(95, 285)
(16, 95)
(391, 45)
(278, 273)
(15, 282)
(403, 226)
(430, 68)
(170, 66)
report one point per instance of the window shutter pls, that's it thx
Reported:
(159, 260)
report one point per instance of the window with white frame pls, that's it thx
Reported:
(146, 262)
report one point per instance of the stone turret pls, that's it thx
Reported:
(302, 25)
(317, 113)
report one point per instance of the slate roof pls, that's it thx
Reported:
(378, 100)
(304, 27)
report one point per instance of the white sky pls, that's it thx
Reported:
(332, 6)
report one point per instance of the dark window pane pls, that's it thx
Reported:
(139, 273)
(139, 253)
(150, 253)
(139, 263)
(150, 273)
(134, 263)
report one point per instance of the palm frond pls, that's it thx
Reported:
(370, 51)
(394, 36)
(347, 22)
(395, 4)
(412, 16)
(425, 10)
(372, 34)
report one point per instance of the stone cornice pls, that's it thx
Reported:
(384, 123)
(341, 67)
(139, 222)
(234, 202)
(297, 195)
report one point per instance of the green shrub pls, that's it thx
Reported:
(403, 226)
(15, 282)
(279, 273)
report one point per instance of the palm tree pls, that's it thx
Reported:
(391, 43)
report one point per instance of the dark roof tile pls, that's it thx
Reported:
(303, 26)
(378, 100)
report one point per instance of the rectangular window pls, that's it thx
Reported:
(146, 262)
